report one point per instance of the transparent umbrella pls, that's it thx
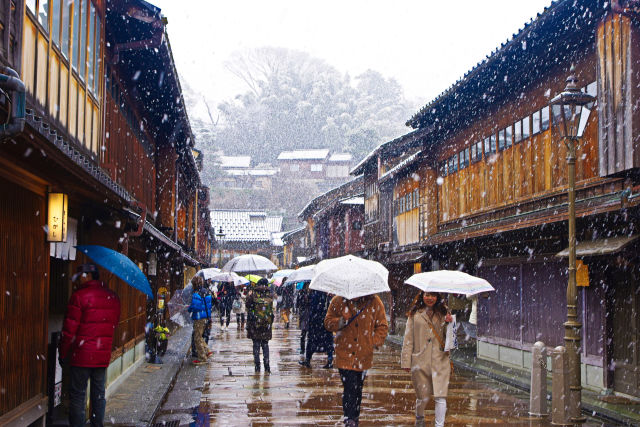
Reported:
(350, 277)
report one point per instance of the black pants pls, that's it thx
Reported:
(264, 344)
(329, 350)
(78, 393)
(352, 381)
(240, 319)
(303, 338)
(225, 312)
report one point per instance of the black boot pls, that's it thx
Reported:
(305, 363)
(267, 368)
(258, 367)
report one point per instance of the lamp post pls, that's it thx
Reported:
(220, 236)
(571, 108)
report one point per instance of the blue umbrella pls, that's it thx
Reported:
(119, 265)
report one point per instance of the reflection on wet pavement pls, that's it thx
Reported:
(292, 395)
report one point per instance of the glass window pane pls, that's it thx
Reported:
(487, 145)
(65, 28)
(517, 131)
(592, 89)
(473, 152)
(544, 120)
(508, 134)
(493, 143)
(55, 22)
(526, 126)
(90, 48)
(82, 64)
(536, 122)
(43, 15)
(31, 5)
(501, 140)
(77, 6)
(98, 50)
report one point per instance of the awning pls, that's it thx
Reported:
(404, 257)
(607, 246)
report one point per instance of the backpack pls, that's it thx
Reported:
(263, 312)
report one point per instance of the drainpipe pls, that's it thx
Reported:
(10, 81)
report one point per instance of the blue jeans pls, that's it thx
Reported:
(78, 395)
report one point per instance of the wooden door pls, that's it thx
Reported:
(626, 334)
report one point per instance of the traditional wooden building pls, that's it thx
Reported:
(100, 155)
(295, 250)
(480, 185)
(334, 222)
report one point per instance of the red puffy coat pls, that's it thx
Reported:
(87, 333)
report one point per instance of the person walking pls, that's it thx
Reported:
(200, 310)
(302, 302)
(423, 353)
(92, 316)
(360, 325)
(239, 307)
(226, 296)
(320, 340)
(287, 302)
(260, 322)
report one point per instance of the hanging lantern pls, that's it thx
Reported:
(57, 217)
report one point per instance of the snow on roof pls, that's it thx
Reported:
(353, 201)
(252, 172)
(341, 157)
(406, 162)
(304, 155)
(276, 239)
(241, 225)
(235, 161)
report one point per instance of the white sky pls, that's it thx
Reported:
(426, 45)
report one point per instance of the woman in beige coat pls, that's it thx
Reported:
(423, 354)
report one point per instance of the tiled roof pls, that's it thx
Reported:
(235, 161)
(247, 226)
(304, 155)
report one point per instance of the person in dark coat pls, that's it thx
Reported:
(302, 302)
(92, 315)
(287, 301)
(260, 322)
(226, 296)
(320, 340)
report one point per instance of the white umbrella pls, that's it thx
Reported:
(302, 274)
(206, 273)
(249, 263)
(350, 277)
(230, 276)
(282, 273)
(449, 282)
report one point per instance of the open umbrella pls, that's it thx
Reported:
(302, 274)
(350, 277)
(230, 276)
(206, 273)
(282, 273)
(249, 263)
(449, 282)
(179, 305)
(119, 265)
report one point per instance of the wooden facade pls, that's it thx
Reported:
(91, 134)
(489, 168)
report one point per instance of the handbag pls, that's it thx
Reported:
(236, 305)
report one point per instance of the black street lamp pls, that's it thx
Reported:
(220, 237)
(572, 108)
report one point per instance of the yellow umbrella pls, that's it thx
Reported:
(253, 278)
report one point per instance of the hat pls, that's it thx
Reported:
(84, 268)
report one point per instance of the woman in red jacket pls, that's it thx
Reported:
(87, 333)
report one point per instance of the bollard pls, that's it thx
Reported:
(560, 394)
(538, 396)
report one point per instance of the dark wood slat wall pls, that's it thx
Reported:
(24, 265)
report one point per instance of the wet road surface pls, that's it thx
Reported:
(234, 395)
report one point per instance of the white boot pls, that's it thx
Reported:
(441, 411)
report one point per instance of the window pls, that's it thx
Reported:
(592, 89)
(55, 22)
(453, 164)
(91, 48)
(65, 28)
(82, 65)
(536, 123)
(294, 168)
(476, 151)
(526, 126)
(409, 201)
(77, 5)
(487, 146)
(43, 15)
(316, 168)
(464, 158)
(544, 118)
(96, 76)
(501, 140)
(517, 131)
(416, 197)
(31, 5)
(492, 143)
(443, 168)
(508, 134)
